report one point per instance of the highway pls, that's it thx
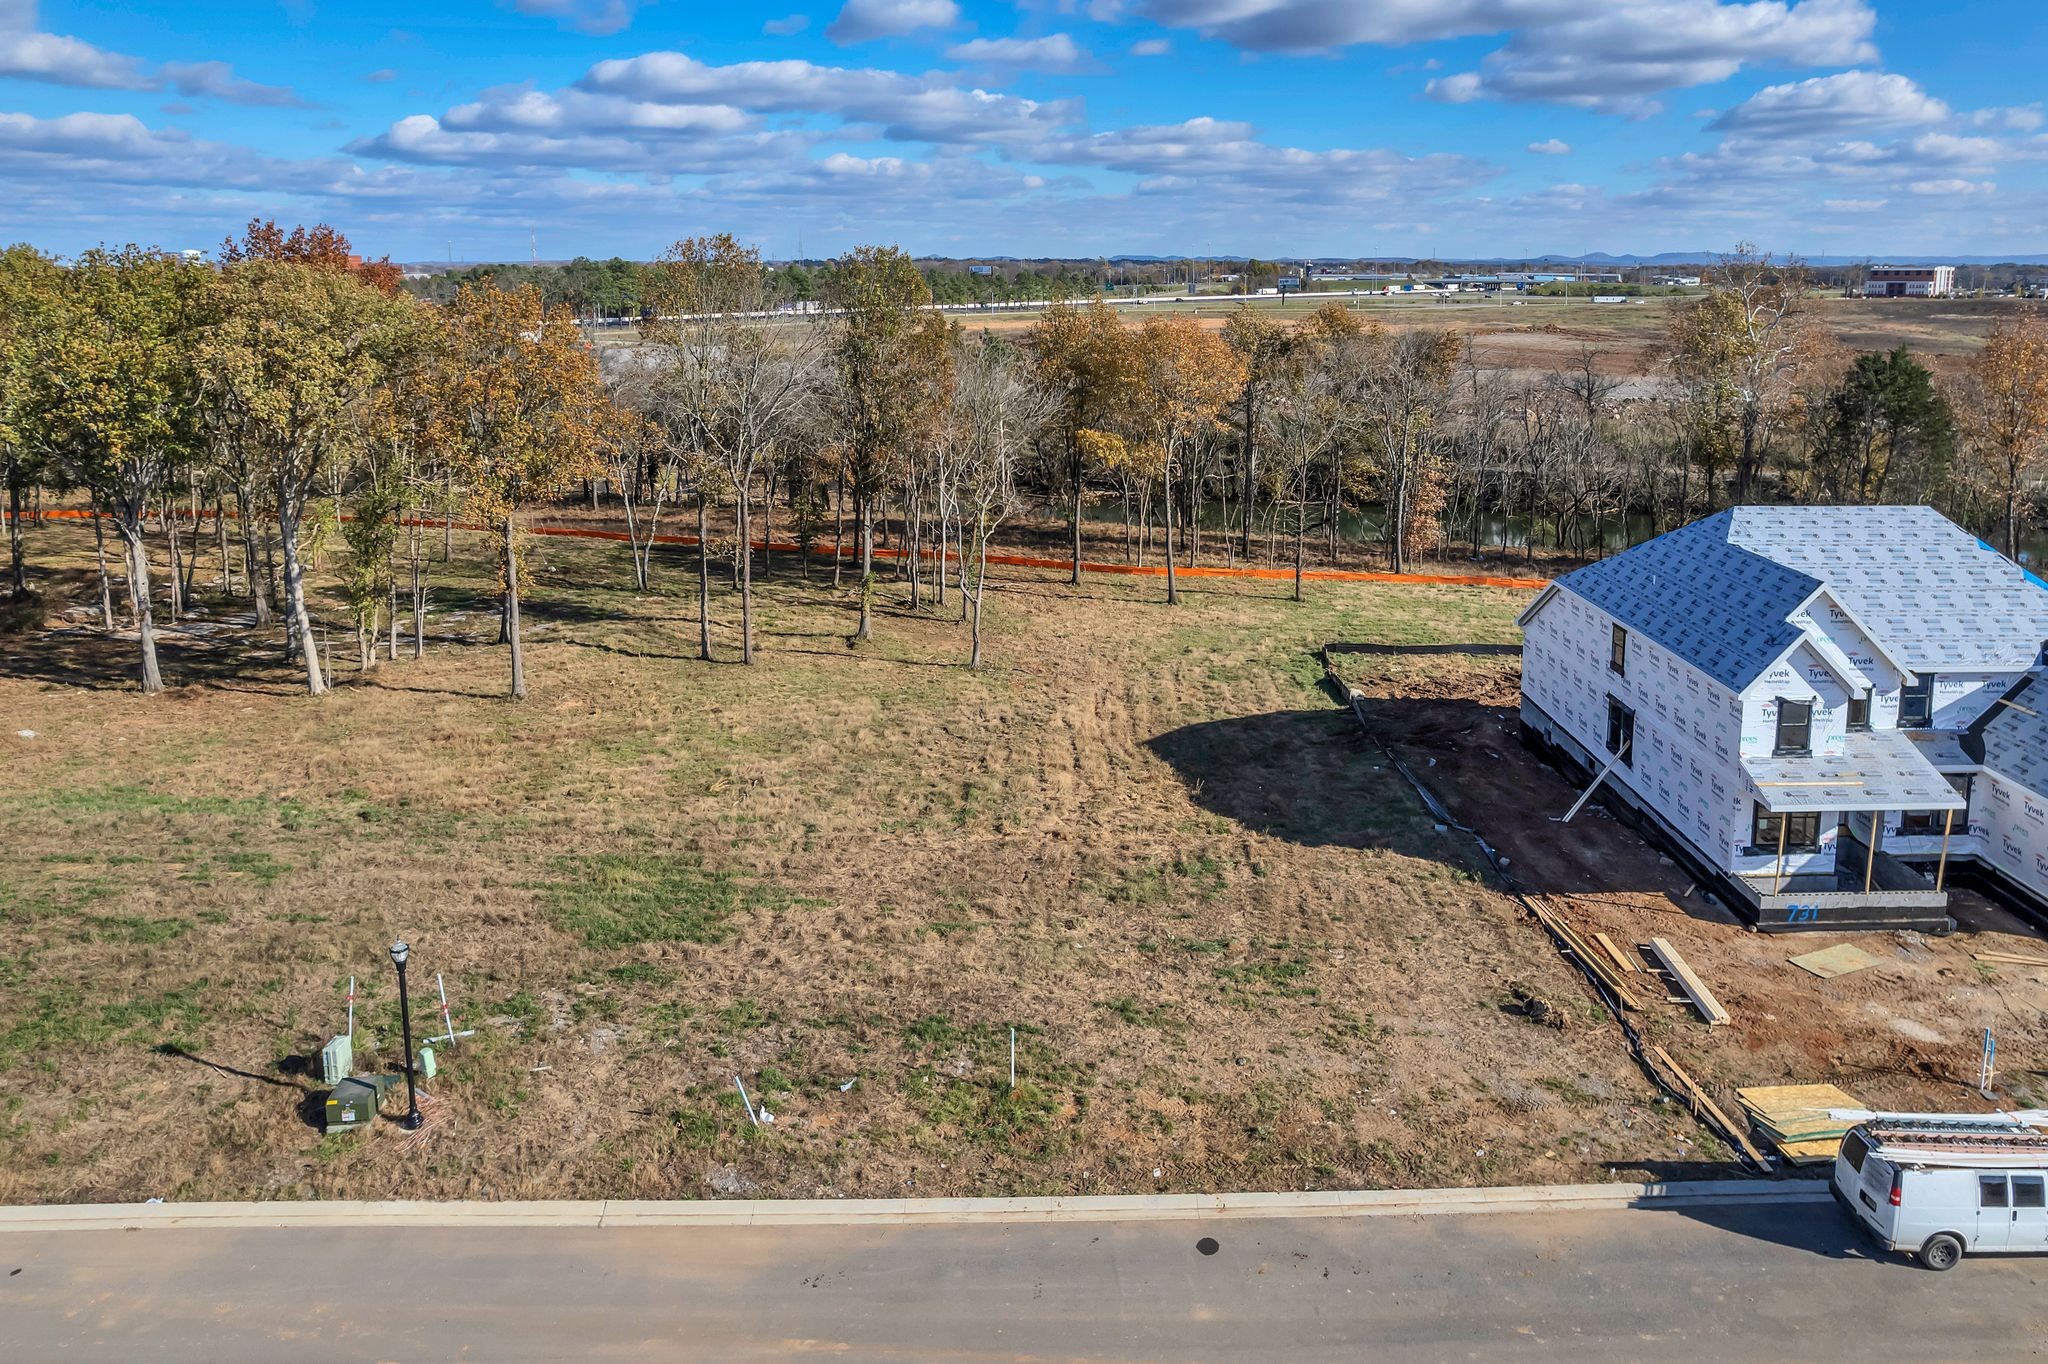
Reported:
(1722, 1283)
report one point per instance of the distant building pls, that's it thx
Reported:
(1910, 281)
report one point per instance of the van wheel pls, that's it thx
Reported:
(1941, 1252)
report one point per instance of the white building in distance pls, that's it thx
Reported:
(1910, 281)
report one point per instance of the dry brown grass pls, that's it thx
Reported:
(1235, 950)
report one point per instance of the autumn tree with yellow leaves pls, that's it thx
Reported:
(524, 414)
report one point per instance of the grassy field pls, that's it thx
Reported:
(1235, 952)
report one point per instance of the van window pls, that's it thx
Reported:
(1991, 1191)
(1854, 1149)
(2028, 1191)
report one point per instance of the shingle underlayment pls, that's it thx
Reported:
(1877, 770)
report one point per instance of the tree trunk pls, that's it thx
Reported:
(980, 587)
(744, 515)
(1300, 530)
(512, 612)
(99, 549)
(259, 596)
(1076, 466)
(17, 552)
(703, 577)
(864, 512)
(296, 619)
(130, 526)
(220, 535)
(1172, 585)
(419, 594)
(838, 525)
(168, 519)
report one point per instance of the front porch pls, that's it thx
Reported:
(1866, 888)
(1847, 880)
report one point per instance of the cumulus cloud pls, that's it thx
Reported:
(217, 80)
(787, 27)
(1055, 52)
(1551, 146)
(1607, 57)
(1846, 102)
(905, 108)
(864, 20)
(28, 54)
(1151, 47)
(597, 17)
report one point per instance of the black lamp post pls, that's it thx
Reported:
(412, 1120)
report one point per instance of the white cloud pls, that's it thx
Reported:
(1591, 55)
(1552, 146)
(905, 108)
(1853, 205)
(599, 17)
(787, 27)
(1151, 47)
(1951, 188)
(217, 80)
(1459, 89)
(28, 54)
(1055, 52)
(1846, 102)
(863, 20)
(2024, 119)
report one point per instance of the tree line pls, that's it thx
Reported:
(295, 401)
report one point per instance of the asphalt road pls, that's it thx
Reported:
(1730, 1283)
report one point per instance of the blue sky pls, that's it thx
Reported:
(1033, 127)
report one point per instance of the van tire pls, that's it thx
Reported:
(1941, 1252)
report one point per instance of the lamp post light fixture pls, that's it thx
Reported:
(412, 1120)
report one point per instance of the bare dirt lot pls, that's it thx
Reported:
(1905, 1034)
(1237, 952)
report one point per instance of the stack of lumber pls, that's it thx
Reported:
(1795, 1119)
(2012, 959)
(1607, 968)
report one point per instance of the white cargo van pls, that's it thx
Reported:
(1936, 1186)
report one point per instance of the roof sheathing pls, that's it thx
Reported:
(1936, 596)
(1719, 607)
(1928, 595)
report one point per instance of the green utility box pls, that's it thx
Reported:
(353, 1103)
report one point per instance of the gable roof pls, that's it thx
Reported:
(1718, 592)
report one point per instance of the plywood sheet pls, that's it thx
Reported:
(1838, 960)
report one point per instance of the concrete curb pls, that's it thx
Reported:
(893, 1212)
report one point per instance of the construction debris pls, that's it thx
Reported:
(1839, 960)
(1797, 1120)
(1594, 960)
(2011, 959)
(1695, 989)
(1704, 1106)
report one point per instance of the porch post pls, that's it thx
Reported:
(1947, 828)
(1784, 828)
(1870, 862)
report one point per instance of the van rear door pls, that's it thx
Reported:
(2029, 1213)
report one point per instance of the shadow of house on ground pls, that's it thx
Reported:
(1315, 778)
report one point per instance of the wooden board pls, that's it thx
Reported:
(1702, 998)
(1620, 959)
(1701, 1100)
(2011, 959)
(1838, 960)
